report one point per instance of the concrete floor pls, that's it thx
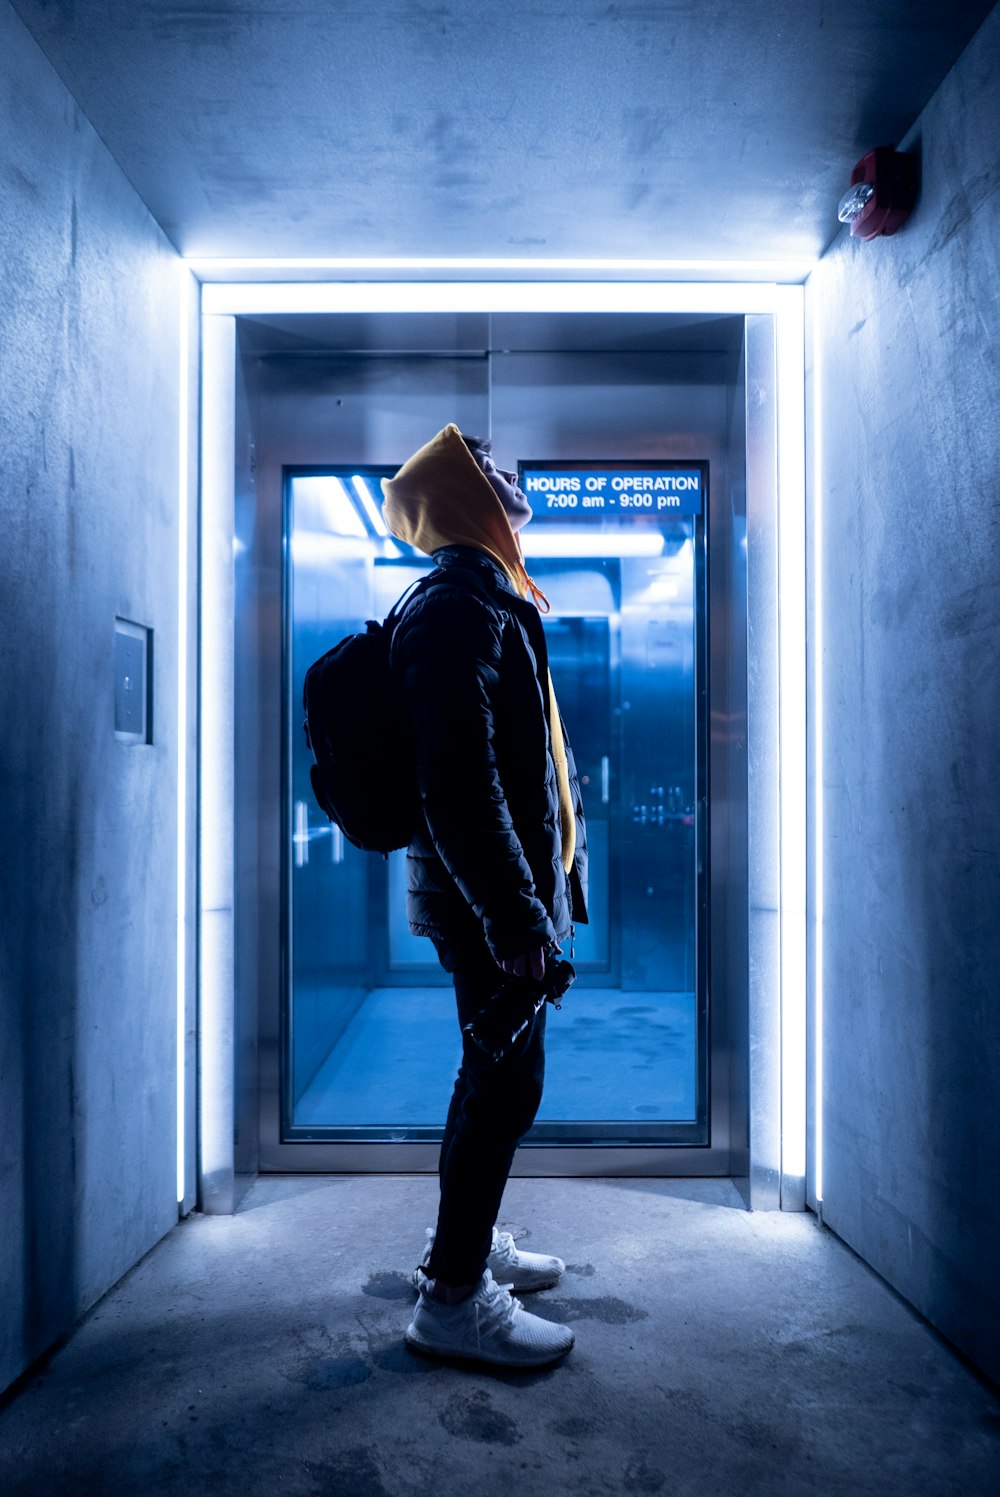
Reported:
(717, 1352)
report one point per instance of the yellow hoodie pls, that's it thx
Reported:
(441, 497)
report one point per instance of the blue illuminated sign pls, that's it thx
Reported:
(599, 491)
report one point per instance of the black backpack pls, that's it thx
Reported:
(363, 776)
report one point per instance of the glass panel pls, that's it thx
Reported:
(373, 1043)
(626, 1048)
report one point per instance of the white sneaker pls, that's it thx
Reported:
(490, 1326)
(524, 1272)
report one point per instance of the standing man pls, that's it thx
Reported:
(496, 870)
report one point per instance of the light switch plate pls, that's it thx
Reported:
(133, 682)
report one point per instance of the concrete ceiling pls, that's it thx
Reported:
(667, 128)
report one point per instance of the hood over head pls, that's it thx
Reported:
(441, 497)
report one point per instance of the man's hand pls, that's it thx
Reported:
(532, 964)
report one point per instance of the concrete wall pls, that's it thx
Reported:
(88, 499)
(907, 372)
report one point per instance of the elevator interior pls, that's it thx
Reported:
(348, 1037)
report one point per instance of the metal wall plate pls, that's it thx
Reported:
(133, 658)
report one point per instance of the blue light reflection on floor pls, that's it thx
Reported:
(612, 1056)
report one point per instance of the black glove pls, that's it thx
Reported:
(501, 1021)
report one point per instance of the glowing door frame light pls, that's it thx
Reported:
(790, 357)
(183, 458)
(273, 298)
(223, 301)
(216, 809)
(818, 768)
(783, 271)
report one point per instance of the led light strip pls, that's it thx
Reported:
(216, 809)
(818, 768)
(785, 304)
(790, 353)
(269, 298)
(777, 271)
(183, 444)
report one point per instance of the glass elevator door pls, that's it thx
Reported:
(370, 1041)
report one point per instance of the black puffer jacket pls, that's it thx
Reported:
(470, 658)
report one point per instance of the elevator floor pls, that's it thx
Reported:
(611, 1056)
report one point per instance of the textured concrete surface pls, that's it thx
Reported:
(89, 331)
(398, 128)
(907, 368)
(717, 1352)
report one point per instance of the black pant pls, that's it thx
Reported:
(492, 1107)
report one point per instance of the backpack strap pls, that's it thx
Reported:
(394, 615)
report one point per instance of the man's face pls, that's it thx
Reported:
(505, 487)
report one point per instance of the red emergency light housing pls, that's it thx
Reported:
(882, 193)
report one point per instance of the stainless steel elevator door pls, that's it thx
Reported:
(370, 1038)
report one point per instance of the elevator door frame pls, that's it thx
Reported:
(761, 963)
(545, 1154)
(674, 1135)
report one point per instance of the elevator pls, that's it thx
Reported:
(346, 1039)
(371, 1043)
